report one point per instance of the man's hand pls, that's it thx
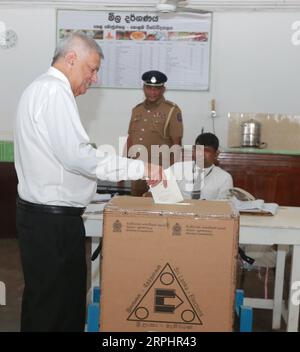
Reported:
(154, 174)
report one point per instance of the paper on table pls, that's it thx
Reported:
(169, 195)
(255, 206)
(101, 197)
(97, 204)
(95, 208)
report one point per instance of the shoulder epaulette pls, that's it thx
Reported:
(170, 102)
(138, 105)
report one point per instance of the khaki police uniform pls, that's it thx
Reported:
(148, 127)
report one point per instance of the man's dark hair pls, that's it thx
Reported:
(208, 140)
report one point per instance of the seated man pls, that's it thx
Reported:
(196, 182)
(211, 183)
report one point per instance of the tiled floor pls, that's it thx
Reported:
(11, 275)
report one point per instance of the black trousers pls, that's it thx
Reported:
(53, 259)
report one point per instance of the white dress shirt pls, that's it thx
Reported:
(215, 181)
(54, 161)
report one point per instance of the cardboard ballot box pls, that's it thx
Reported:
(168, 267)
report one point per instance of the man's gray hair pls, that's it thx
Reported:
(73, 41)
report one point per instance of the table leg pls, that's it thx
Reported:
(293, 304)
(95, 266)
(278, 289)
(2, 294)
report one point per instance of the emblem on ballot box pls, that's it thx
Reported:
(176, 230)
(117, 226)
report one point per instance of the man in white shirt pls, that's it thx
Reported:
(200, 178)
(57, 170)
(196, 182)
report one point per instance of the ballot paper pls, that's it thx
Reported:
(257, 206)
(169, 195)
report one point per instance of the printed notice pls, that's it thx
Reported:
(136, 42)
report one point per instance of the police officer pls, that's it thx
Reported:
(154, 122)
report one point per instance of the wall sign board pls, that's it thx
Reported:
(136, 42)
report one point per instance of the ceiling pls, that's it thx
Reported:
(213, 5)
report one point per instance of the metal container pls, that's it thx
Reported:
(250, 134)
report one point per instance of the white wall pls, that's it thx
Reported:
(254, 68)
(32, 55)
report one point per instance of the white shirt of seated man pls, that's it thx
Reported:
(215, 182)
(211, 182)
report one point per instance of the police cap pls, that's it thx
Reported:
(154, 78)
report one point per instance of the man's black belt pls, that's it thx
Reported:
(49, 209)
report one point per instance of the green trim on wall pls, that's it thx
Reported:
(6, 151)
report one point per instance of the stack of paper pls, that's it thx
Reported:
(257, 206)
(100, 198)
(97, 204)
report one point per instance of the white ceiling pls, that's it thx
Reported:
(203, 4)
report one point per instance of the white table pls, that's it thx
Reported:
(283, 230)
